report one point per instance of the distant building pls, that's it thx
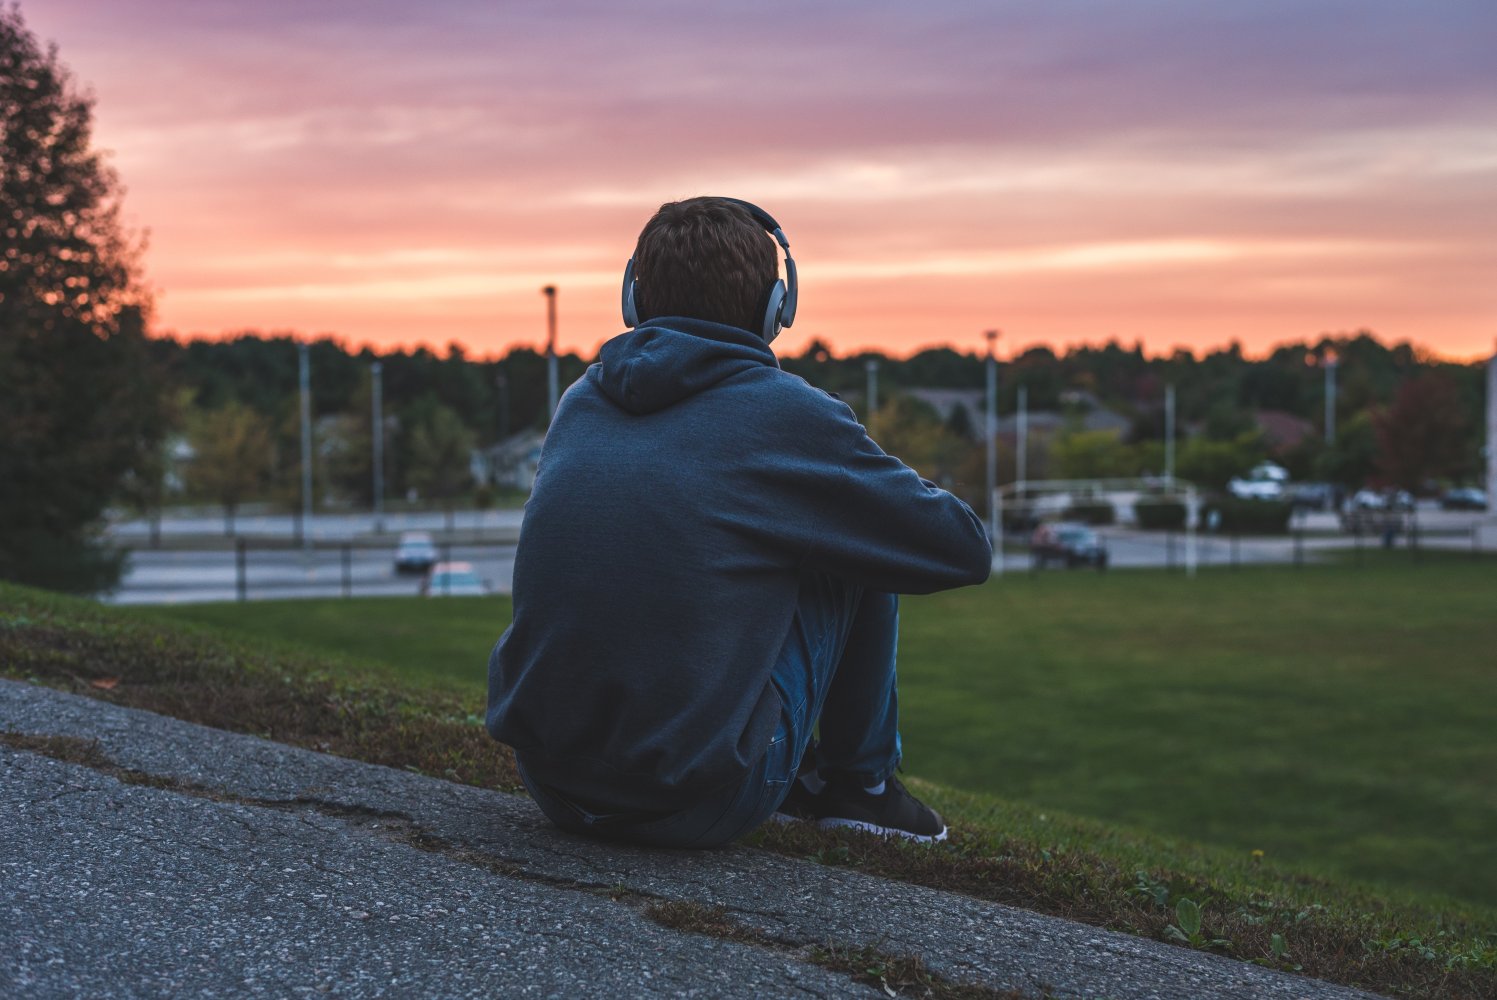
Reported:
(1282, 432)
(1083, 411)
(511, 462)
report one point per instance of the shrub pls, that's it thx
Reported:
(1090, 511)
(1257, 517)
(1159, 513)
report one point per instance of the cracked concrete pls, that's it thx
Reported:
(275, 870)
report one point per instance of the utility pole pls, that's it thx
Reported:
(305, 369)
(1021, 459)
(501, 382)
(990, 431)
(377, 435)
(1169, 435)
(1331, 360)
(1491, 483)
(553, 393)
(871, 367)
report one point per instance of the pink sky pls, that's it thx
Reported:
(1179, 174)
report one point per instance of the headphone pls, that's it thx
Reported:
(779, 310)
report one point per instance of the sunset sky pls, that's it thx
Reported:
(1181, 173)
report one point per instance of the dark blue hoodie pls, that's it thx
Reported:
(685, 485)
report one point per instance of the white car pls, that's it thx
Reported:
(453, 579)
(1256, 489)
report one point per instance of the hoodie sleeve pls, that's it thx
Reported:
(834, 498)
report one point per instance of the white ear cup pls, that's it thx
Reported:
(631, 304)
(776, 305)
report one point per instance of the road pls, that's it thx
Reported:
(176, 577)
(197, 563)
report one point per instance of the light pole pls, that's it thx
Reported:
(377, 435)
(871, 367)
(1331, 360)
(501, 382)
(1327, 361)
(305, 371)
(1021, 458)
(552, 389)
(1169, 436)
(991, 433)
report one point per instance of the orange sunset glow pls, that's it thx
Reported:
(1177, 174)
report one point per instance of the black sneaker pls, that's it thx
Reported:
(799, 803)
(894, 812)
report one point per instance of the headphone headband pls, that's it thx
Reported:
(783, 295)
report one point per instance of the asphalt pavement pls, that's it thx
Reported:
(146, 856)
(348, 557)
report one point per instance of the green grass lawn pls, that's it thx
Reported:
(1341, 720)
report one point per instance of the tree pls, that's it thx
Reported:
(1421, 436)
(1093, 455)
(1352, 460)
(78, 401)
(441, 450)
(231, 457)
(913, 432)
(1212, 464)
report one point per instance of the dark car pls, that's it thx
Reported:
(416, 553)
(1069, 543)
(1464, 499)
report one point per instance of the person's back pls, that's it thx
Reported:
(702, 531)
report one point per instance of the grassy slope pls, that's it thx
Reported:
(1339, 719)
(1102, 873)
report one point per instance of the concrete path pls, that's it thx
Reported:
(145, 856)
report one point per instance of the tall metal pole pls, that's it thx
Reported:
(991, 433)
(306, 444)
(501, 382)
(1330, 397)
(553, 392)
(1492, 435)
(1021, 459)
(377, 428)
(871, 367)
(1169, 435)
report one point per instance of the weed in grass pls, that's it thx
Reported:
(900, 975)
(698, 918)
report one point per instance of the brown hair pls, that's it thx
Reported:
(706, 258)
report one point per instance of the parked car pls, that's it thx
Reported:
(1313, 496)
(416, 553)
(453, 579)
(1464, 499)
(1067, 542)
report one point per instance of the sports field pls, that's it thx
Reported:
(1341, 720)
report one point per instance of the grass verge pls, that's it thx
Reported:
(1335, 718)
(1100, 874)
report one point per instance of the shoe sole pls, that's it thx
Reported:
(882, 831)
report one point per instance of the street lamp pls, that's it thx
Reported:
(377, 434)
(304, 372)
(552, 388)
(1328, 361)
(1169, 437)
(871, 367)
(991, 433)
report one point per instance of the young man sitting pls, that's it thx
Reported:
(707, 568)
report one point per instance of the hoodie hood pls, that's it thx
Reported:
(664, 361)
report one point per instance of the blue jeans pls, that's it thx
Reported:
(836, 666)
